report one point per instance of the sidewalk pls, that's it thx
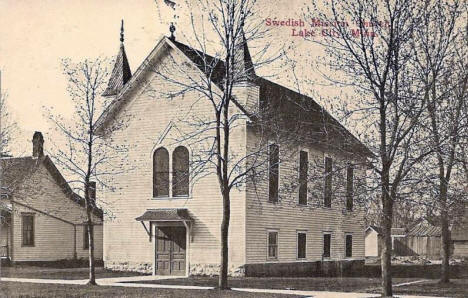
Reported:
(130, 283)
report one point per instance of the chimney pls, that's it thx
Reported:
(38, 144)
(92, 190)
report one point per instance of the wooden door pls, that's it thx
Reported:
(170, 250)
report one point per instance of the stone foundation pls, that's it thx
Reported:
(129, 266)
(213, 269)
(195, 269)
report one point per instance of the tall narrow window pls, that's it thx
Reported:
(161, 173)
(28, 230)
(301, 245)
(328, 182)
(349, 188)
(326, 245)
(303, 168)
(180, 174)
(349, 246)
(86, 236)
(273, 172)
(272, 245)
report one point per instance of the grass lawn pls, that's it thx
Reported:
(59, 273)
(346, 284)
(13, 289)
(456, 288)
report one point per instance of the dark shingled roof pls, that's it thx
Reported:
(165, 214)
(291, 105)
(120, 74)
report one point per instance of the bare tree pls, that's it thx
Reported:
(85, 152)
(440, 65)
(224, 82)
(369, 47)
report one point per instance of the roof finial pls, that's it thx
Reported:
(122, 32)
(172, 29)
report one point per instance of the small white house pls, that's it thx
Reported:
(42, 219)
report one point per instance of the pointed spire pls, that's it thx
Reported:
(243, 60)
(121, 72)
(121, 33)
(172, 29)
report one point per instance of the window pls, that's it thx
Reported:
(273, 245)
(273, 151)
(303, 169)
(86, 236)
(328, 182)
(326, 245)
(161, 173)
(349, 188)
(180, 174)
(301, 245)
(349, 246)
(28, 229)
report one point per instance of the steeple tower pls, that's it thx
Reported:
(121, 72)
(243, 61)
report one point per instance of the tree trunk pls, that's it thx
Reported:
(92, 271)
(386, 257)
(445, 272)
(223, 281)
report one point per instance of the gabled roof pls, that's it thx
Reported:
(120, 74)
(165, 214)
(394, 231)
(18, 170)
(288, 102)
(424, 229)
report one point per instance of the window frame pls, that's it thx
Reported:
(303, 232)
(350, 188)
(346, 245)
(306, 179)
(173, 174)
(169, 182)
(328, 181)
(329, 246)
(269, 174)
(32, 243)
(269, 258)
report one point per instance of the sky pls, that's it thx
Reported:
(36, 35)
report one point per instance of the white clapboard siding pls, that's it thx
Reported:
(55, 220)
(152, 121)
(287, 217)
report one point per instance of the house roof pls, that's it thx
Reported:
(424, 229)
(394, 231)
(165, 214)
(289, 103)
(17, 170)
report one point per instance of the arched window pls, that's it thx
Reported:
(180, 172)
(161, 173)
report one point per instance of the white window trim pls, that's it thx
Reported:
(279, 171)
(352, 242)
(297, 245)
(170, 149)
(299, 177)
(325, 156)
(323, 244)
(272, 259)
(350, 165)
